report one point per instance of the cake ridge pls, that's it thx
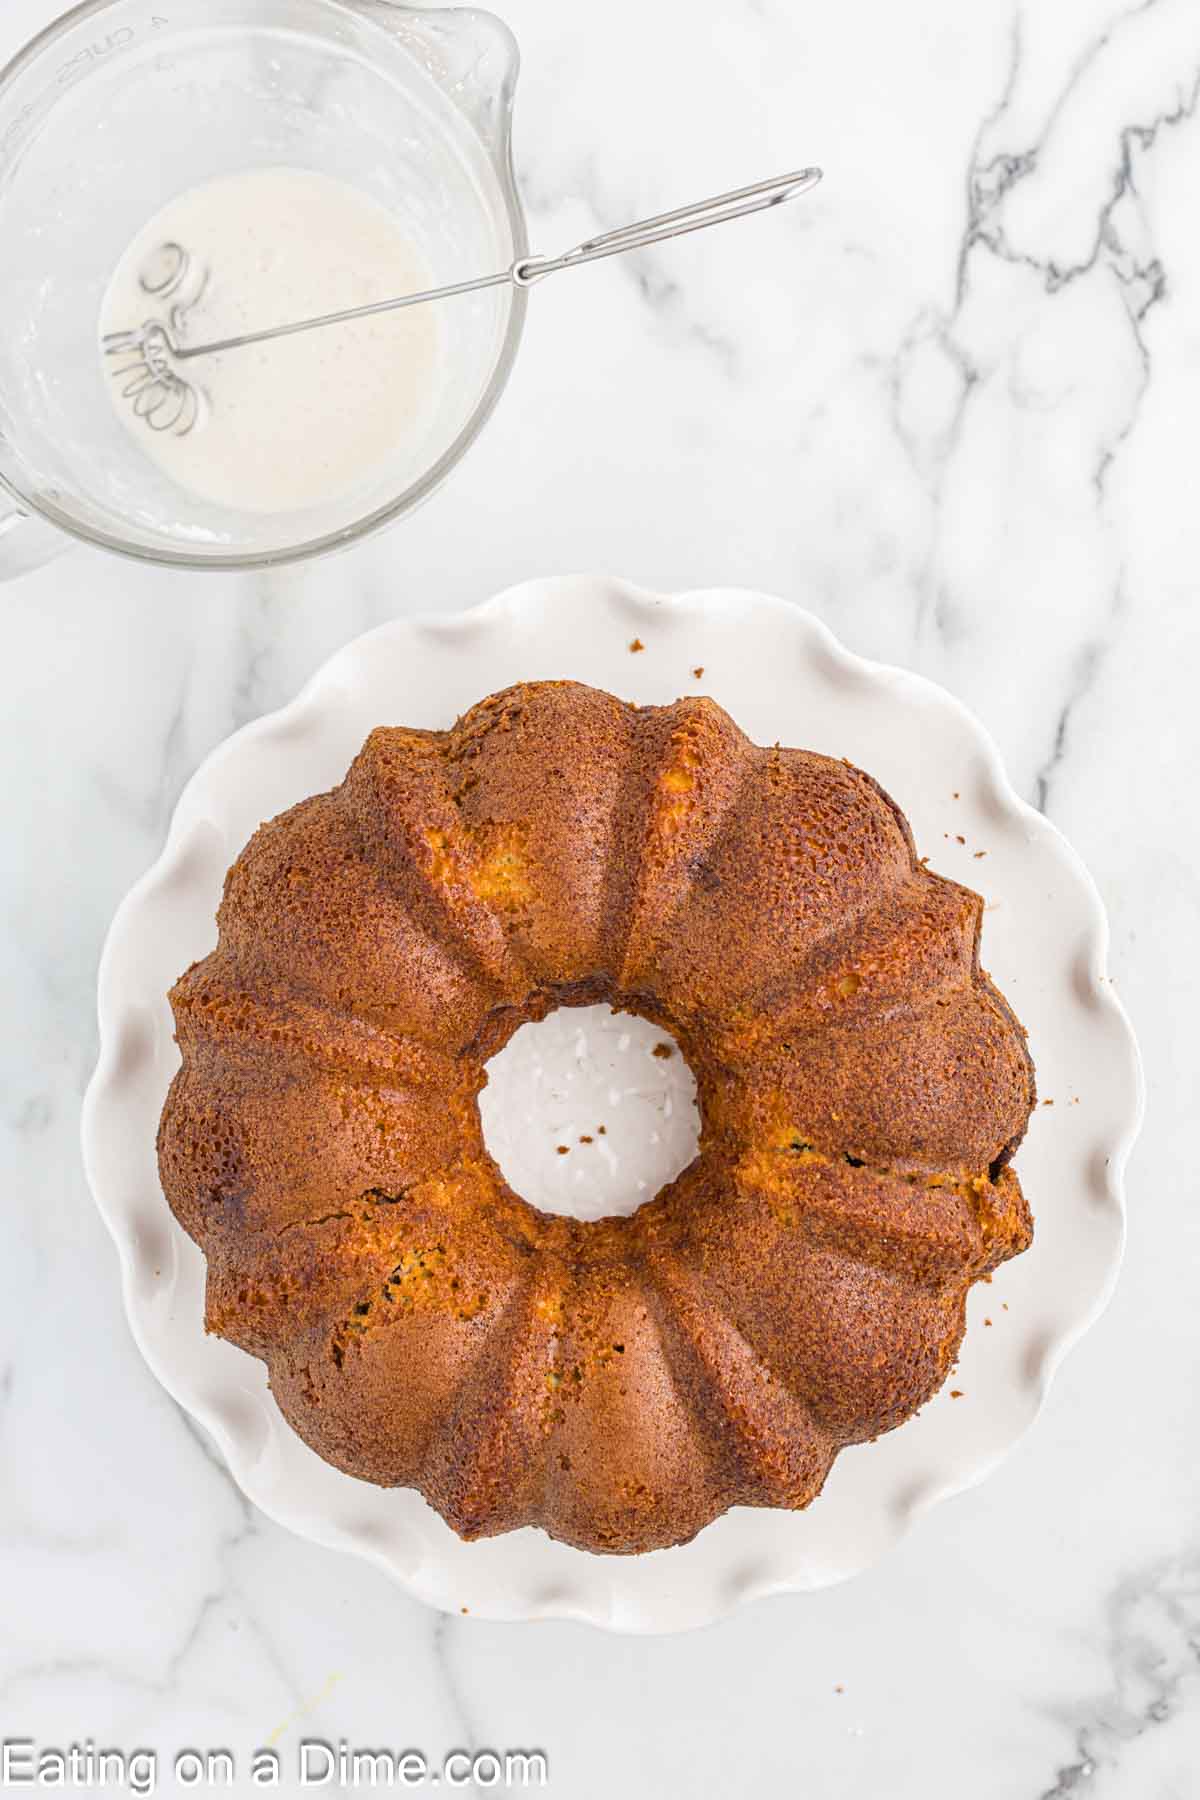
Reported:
(444, 921)
(274, 1291)
(658, 812)
(315, 1010)
(778, 828)
(680, 1509)
(783, 998)
(448, 747)
(761, 1478)
(545, 775)
(480, 1429)
(825, 1398)
(891, 1246)
(317, 870)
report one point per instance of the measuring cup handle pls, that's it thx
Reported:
(26, 542)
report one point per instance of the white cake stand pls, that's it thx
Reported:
(784, 678)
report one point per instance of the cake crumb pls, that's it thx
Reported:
(956, 1393)
(663, 1051)
(958, 838)
(602, 1131)
(699, 673)
(980, 853)
(839, 1688)
(1004, 1304)
(587, 1140)
(464, 1609)
(987, 1321)
(564, 1150)
(1047, 1103)
(957, 795)
(636, 646)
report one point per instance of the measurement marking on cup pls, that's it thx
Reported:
(79, 64)
(91, 53)
(13, 131)
(120, 39)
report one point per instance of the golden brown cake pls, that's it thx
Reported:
(800, 1287)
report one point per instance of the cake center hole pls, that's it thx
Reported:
(589, 1112)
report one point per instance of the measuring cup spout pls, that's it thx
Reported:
(471, 54)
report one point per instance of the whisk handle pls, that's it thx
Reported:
(737, 204)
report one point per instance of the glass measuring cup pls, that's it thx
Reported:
(123, 104)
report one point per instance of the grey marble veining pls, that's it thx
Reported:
(951, 404)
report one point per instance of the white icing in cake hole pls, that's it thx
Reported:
(599, 1086)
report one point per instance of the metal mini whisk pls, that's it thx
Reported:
(167, 401)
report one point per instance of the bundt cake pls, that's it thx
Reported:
(800, 1287)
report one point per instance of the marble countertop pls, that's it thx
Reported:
(949, 408)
